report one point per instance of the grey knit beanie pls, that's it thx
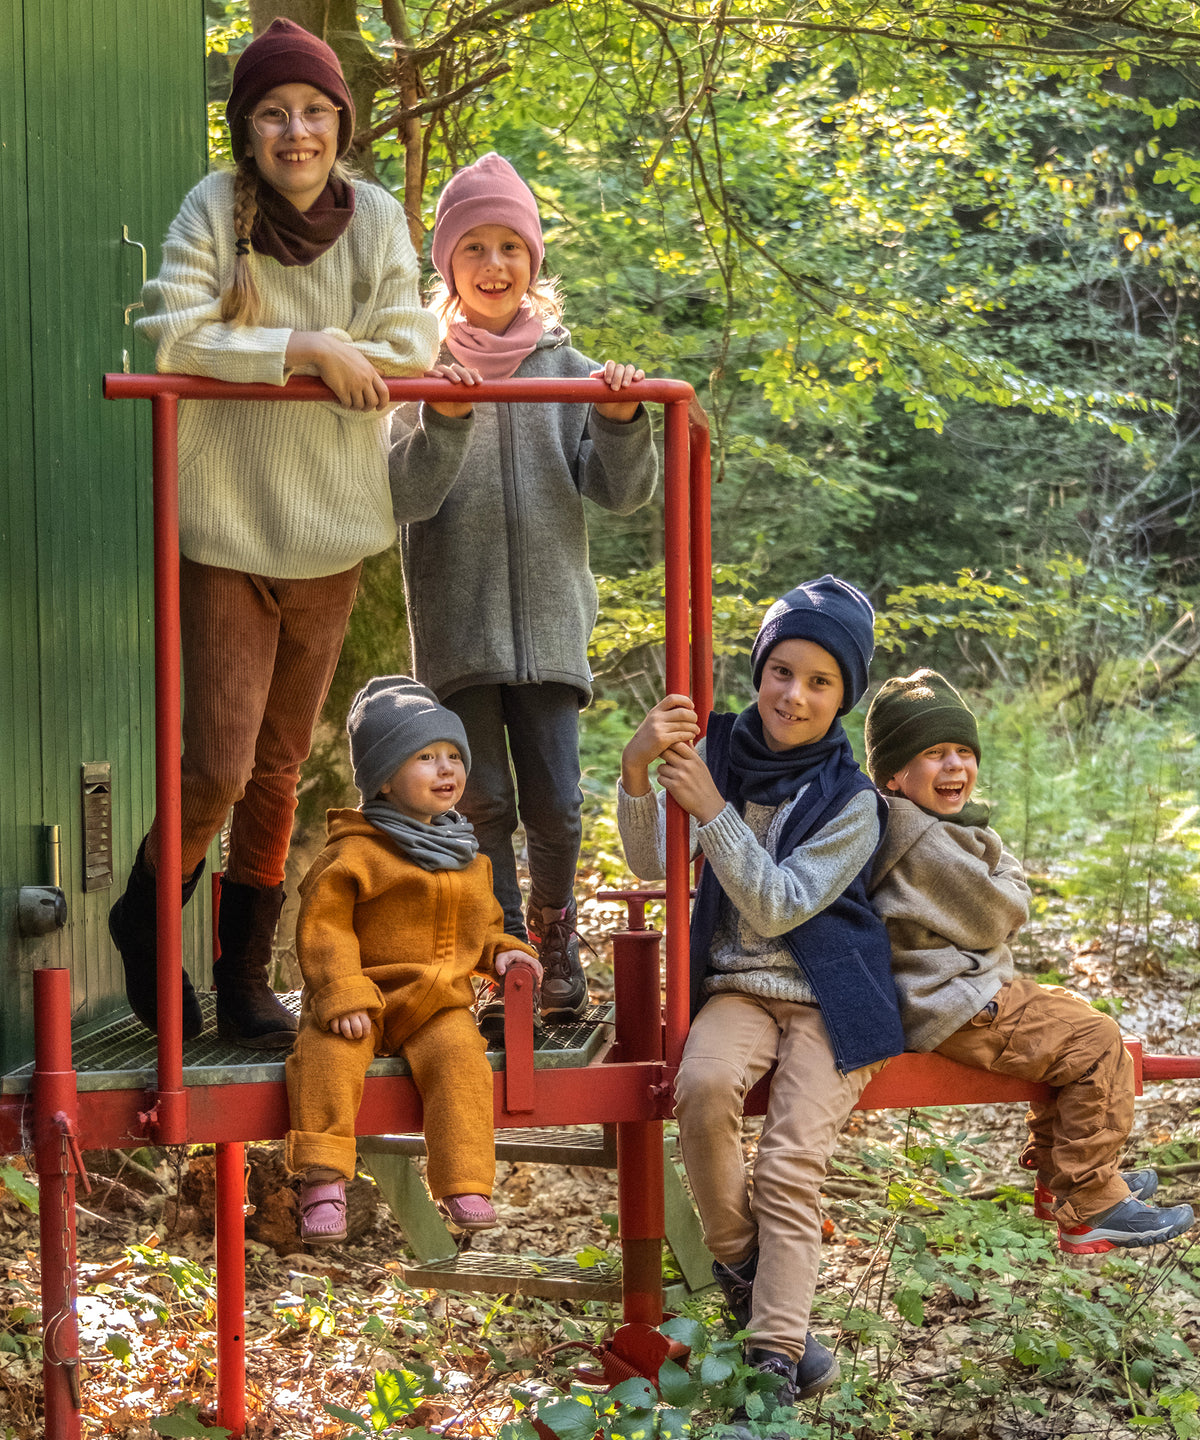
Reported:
(831, 613)
(391, 718)
(912, 713)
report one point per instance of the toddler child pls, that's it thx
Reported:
(789, 963)
(396, 915)
(953, 899)
(501, 602)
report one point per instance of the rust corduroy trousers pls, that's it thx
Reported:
(258, 658)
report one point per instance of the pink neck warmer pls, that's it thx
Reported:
(496, 357)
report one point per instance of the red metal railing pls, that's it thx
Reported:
(688, 669)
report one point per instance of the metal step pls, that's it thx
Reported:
(478, 1272)
(559, 1145)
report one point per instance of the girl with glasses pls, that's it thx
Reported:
(283, 267)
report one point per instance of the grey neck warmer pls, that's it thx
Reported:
(449, 843)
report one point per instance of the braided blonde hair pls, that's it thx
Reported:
(241, 304)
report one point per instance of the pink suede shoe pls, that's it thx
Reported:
(469, 1212)
(323, 1211)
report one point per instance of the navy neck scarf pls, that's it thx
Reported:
(769, 777)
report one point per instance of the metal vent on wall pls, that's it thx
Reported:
(97, 825)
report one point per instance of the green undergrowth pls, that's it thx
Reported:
(952, 1315)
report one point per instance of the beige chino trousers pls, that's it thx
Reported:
(733, 1042)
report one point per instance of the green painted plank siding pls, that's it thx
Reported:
(113, 121)
(20, 748)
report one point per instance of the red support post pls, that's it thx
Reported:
(56, 1149)
(231, 1288)
(700, 518)
(640, 1199)
(519, 1092)
(169, 1123)
(678, 676)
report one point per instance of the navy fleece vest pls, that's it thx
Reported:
(843, 952)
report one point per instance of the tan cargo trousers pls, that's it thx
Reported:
(1044, 1033)
(734, 1041)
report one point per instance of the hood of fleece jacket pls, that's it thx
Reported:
(340, 823)
(906, 824)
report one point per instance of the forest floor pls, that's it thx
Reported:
(1023, 1343)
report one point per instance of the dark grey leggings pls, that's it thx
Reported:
(530, 732)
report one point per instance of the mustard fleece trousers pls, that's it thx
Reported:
(733, 1042)
(448, 1058)
(1044, 1033)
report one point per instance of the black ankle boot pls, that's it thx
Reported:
(778, 1394)
(133, 925)
(248, 1010)
(737, 1285)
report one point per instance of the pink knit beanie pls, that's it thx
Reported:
(286, 54)
(490, 192)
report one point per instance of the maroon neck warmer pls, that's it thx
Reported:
(298, 237)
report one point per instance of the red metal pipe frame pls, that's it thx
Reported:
(54, 1131)
(168, 1115)
(700, 518)
(231, 1287)
(640, 1195)
(677, 518)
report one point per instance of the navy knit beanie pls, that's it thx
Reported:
(831, 613)
(391, 718)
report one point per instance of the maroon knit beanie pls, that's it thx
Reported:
(490, 192)
(286, 54)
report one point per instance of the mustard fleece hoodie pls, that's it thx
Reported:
(378, 933)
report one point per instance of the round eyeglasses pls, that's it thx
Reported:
(318, 118)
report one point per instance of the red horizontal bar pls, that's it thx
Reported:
(1171, 1067)
(306, 387)
(597, 1094)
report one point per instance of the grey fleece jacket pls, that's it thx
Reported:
(952, 898)
(493, 533)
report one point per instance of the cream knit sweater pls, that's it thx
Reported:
(287, 490)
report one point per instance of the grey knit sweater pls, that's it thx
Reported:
(761, 899)
(493, 532)
(953, 899)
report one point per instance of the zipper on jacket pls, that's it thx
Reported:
(523, 650)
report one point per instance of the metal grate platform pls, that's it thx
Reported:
(477, 1272)
(121, 1054)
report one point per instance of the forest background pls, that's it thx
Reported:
(934, 272)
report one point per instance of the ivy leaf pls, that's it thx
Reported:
(688, 1332)
(185, 1424)
(676, 1385)
(569, 1419)
(635, 1391)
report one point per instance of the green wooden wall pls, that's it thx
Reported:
(102, 125)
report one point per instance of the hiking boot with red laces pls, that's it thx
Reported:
(564, 990)
(1129, 1224)
(1142, 1184)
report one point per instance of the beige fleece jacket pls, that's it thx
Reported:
(953, 899)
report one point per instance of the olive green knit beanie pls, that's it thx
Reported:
(909, 714)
